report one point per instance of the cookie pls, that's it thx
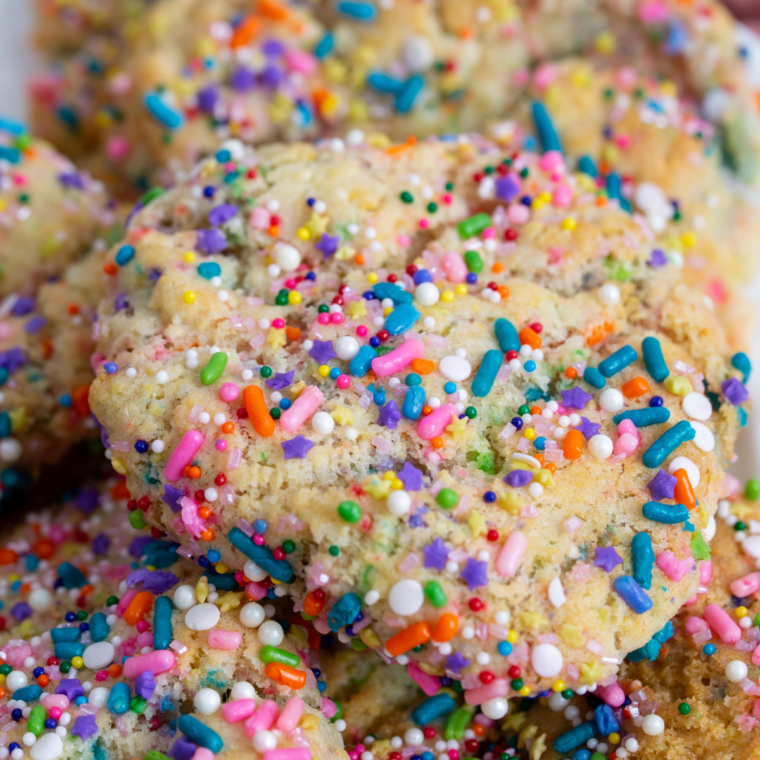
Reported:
(470, 325)
(202, 71)
(50, 212)
(148, 651)
(669, 165)
(691, 693)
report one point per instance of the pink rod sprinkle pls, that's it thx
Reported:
(499, 687)
(435, 422)
(290, 715)
(303, 407)
(183, 455)
(240, 709)
(159, 662)
(263, 718)
(511, 554)
(218, 638)
(721, 623)
(398, 359)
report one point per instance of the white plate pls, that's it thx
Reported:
(18, 63)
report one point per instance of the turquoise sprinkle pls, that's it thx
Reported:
(162, 622)
(547, 134)
(594, 377)
(124, 255)
(11, 126)
(414, 400)
(324, 46)
(383, 82)
(622, 358)
(506, 334)
(168, 116)
(643, 559)
(344, 611)
(667, 443)
(99, 628)
(61, 635)
(651, 415)
(409, 93)
(612, 183)
(279, 569)
(71, 576)
(742, 362)
(401, 319)
(573, 738)
(200, 733)
(489, 368)
(11, 155)
(587, 166)
(30, 693)
(653, 359)
(6, 424)
(65, 650)
(360, 364)
(359, 11)
(209, 269)
(432, 708)
(666, 514)
(118, 699)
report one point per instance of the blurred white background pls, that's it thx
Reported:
(18, 63)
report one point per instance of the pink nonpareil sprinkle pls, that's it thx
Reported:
(329, 708)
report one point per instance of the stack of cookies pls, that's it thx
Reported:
(395, 357)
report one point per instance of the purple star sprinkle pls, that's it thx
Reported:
(389, 415)
(417, 521)
(328, 245)
(183, 749)
(575, 398)
(87, 500)
(21, 611)
(734, 391)
(662, 486)
(436, 554)
(507, 188)
(145, 684)
(155, 581)
(243, 79)
(172, 497)
(456, 662)
(137, 547)
(34, 324)
(322, 351)
(281, 380)
(24, 305)
(297, 448)
(207, 98)
(221, 214)
(71, 179)
(607, 558)
(588, 428)
(84, 727)
(519, 478)
(13, 359)
(71, 687)
(475, 573)
(411, 477)
(100, 544)
(658, 259)
(210, 241)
